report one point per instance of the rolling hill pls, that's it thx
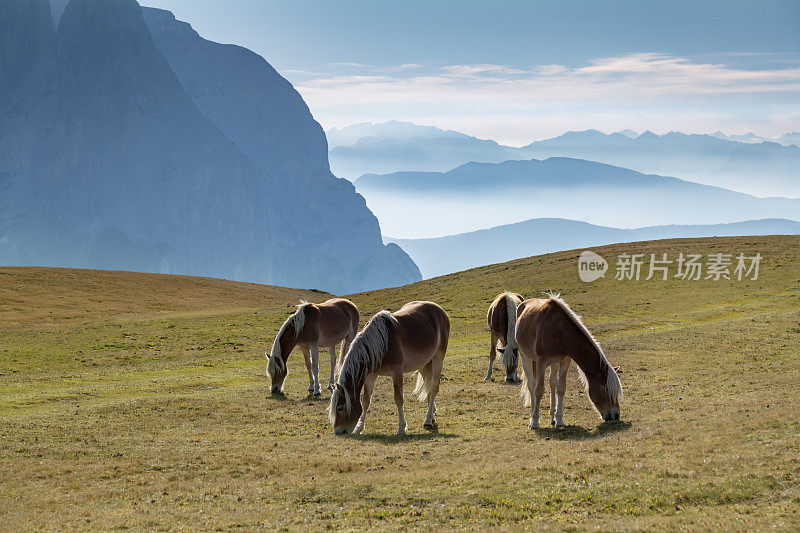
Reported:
(141, 403)
(443, 255)
(480, 195)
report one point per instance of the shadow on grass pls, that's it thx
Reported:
(410, 437)
(282, 397)
(581, 433)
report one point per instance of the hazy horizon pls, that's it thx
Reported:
(528, 70)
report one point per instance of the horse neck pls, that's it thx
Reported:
(365, 356)
(588, 357)
(287, 341)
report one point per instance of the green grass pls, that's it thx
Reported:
(131, 401)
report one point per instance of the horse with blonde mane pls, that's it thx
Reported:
(313, 326)
(502, 318)
(392, 344)
(550, 334)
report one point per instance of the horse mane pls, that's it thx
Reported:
(298, 321)
(613, 385)
(364, 356)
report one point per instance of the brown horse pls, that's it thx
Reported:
(549, 333)
(502, 329)
(313, 326)
(392, 344)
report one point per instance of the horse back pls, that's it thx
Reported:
(330, 321)
(545, 330)
(497, 317)
(422, 327)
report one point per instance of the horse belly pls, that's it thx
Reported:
(331, 339)
(413, 361)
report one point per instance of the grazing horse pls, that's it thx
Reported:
(313, 326)
(502, 317)
(549, 334)
(392, 344)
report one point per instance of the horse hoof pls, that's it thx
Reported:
(330, 386)
(317, 393)
(401, 431)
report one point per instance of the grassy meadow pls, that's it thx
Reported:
(138, 401)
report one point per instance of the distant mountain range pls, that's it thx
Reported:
(481, 195)
(454, 253)
(396, 146)
(129, 142)
(787, 139)
(764, 169)
(739, 163)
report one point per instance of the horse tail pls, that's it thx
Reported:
(424, 381)
(509, 358)
(524, 392)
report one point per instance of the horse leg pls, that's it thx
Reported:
(492, 355)
(366, 396)
(348, 340)
(436, 374)
(538, 392)
(397, 378)
(562, 387)
(553, 382)
(307, 357)
(315, 368)
(333, 366)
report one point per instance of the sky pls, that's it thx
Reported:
(518, 71)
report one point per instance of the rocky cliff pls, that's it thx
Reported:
(128, 147)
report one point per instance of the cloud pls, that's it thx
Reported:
(346, 64)
(633, 85)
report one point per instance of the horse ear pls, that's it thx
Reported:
(618, 370)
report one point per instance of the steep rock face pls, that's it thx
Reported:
(113, 166)
(26, 36)
(107, 162)
(321, 225)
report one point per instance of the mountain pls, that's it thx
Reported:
(745, 163)
(392, 129)
(195, 159)
(748, 137)
(763, 169)
(629, 134)
(792, 138)
(786, 139)
(480, 195)
(454, 253)
(397, 146)
(26, 38)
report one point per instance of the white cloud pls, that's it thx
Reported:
(347, 64)
(622, 89)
